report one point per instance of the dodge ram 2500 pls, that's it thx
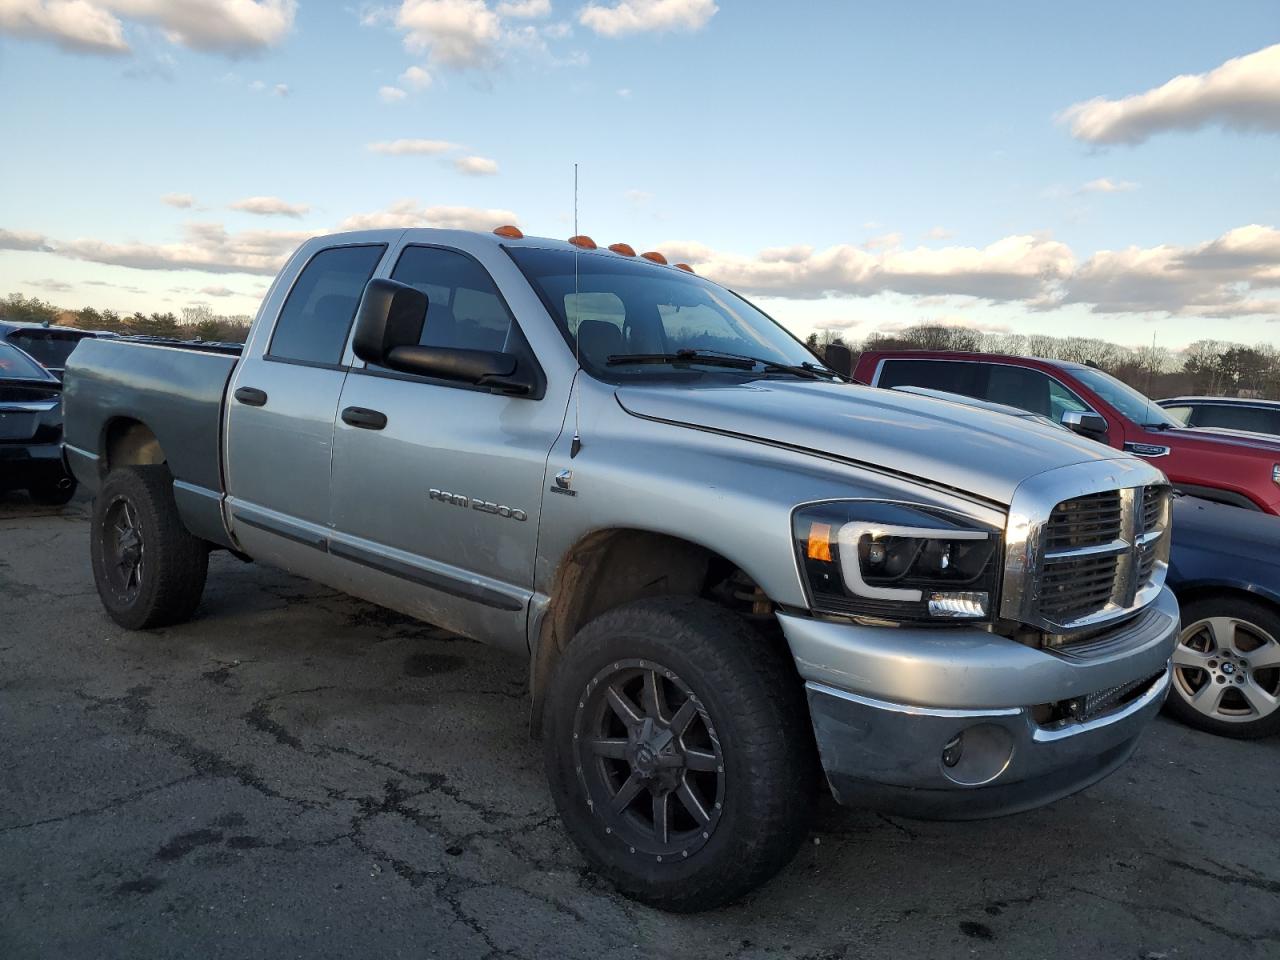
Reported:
(727, 566)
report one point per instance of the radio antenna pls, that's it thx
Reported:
(577, 330)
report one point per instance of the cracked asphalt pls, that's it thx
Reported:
(298, 774)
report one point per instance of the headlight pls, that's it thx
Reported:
(896, 562)
(1275, 473)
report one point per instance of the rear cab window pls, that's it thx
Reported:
(317, 316)
(952, 376)
(1235, 417)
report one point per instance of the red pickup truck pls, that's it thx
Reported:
(1226, 468)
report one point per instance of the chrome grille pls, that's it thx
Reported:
(1076, 564)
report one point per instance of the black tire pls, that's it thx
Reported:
(1256, 627)
(53, 493)
(171, 564)
(748, 701)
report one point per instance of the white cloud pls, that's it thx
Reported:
(280, 90)
(1015, 268)
(391, 94)
(231, 27)
(400, 148)
(525, 9)
(48, 283)
(1241, 94)
(410, 213)
(639, 16)
(218, 292)
(455, 33)
(183, 201)
(76, 25)
(416, 77)
(271, 207)
(625, 93)
(206, 247)
(476, 166)
(640, 198)
(1220, 278)
(939, 233)
(22, 240)
(1107, 185)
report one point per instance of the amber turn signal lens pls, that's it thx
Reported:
(685, 267)
(819, 544)
(510, 232)
(586, 243)
(623, 248)
(655, 257)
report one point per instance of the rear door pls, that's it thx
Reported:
(437, 485)
(281, 409)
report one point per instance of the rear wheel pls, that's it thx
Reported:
(53, 493)
(1226, 668)
(148, 568)
(679, 754)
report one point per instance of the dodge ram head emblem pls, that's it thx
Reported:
(475, 503)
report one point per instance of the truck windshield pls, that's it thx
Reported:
(631, 318)
(1135, 406)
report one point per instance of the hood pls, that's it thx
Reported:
(985, 453)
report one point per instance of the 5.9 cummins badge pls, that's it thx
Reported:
(484, 506)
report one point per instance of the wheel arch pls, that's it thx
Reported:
(1207, 589)
(128, 441)
(611, 567)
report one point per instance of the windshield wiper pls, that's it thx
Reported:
(809, 371)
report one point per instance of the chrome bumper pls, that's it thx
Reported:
(905, 696)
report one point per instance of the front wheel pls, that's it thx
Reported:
(679, 753)
(1226, 668)
(148, 568)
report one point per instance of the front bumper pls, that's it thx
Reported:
(886, 703)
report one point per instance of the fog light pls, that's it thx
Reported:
(958, 605)
(953, 751)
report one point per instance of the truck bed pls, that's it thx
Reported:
(172, 388)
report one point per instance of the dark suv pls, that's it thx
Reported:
(48, 344)
(31, 429)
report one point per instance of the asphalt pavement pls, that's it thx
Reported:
(298, 774)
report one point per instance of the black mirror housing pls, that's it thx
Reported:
(390, 317)
(482, 368)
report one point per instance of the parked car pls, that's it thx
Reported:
(1225, 413)
(31, 429)
(48, 344)
(1239, 470)
(724, 564)
(1225, 569)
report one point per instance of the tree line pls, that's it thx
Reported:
(1207, 367)
(192, 323)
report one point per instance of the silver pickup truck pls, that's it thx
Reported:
(729, 567)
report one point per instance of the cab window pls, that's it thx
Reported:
(1232, 417)
(318, 313)
(464, 309)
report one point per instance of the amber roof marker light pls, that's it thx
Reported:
(655, 257)
(586, 243)
(685, 267)
(510, 232)
(625, 249)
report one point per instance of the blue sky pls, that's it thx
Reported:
(860, 166)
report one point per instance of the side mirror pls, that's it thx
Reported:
(483, 368)
(391, 315)
(1086, 423)
(839, 358)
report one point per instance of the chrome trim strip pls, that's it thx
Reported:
(79, 451)
(909, 709)
(1099, 549)
(1156, 692)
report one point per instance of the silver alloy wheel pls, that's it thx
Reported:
(1228, 669)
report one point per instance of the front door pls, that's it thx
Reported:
(436, 485)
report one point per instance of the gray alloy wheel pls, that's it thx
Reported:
(1227, 668)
